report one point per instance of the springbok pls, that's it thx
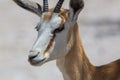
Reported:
(58, 39)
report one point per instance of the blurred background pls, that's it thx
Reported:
(99, 24)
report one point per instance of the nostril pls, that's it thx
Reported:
(31, 57)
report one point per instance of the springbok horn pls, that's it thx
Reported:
(58, 6)
(45, 5)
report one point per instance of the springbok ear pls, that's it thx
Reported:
(30, 6)
(75, 7)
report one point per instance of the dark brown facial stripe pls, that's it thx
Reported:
(49, 45)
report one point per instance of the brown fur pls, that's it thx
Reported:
(76, 65)
(47, 16)
(49, 45)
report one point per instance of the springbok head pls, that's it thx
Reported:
(53, 29)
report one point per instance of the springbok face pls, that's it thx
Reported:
(52, 29)
(52, 32)
(51, 42)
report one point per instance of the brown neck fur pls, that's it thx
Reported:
(77, 55)
(76, 66)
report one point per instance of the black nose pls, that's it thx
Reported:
(30, 58)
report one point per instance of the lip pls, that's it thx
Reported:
(36, 62)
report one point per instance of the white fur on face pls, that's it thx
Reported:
(45, 35)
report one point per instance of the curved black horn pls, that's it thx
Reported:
(58, 6)
(45, 5)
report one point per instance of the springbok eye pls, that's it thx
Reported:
(58, 30)
(37, 28)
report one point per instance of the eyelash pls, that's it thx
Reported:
(58, 30)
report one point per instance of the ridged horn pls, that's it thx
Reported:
(45, 5)
(58, 6)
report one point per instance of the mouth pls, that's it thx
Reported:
(36, 62)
